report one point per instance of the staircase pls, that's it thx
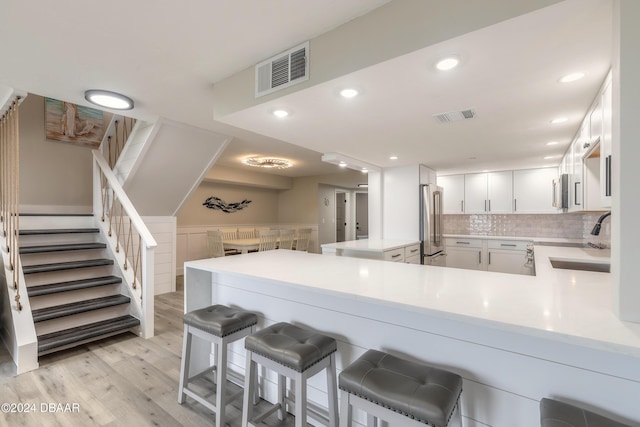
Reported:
(75, 290)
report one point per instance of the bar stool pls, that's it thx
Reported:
(399, 391)
(221, 325)
(295, 353)
(559, 414)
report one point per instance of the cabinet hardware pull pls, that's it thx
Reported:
(515, 205)
(489, 261)
(479, 257)
(413, 250)
(607, 188)
(463, 243)
(489, 205)
(395, 256)
(508, 244)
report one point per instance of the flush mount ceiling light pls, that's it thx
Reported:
(552, 143)
(559, 120)
(281, 114)
(267, 162)
(571, 77)
(393, 157)
(348, 93)
(108, 99)
(447, 64)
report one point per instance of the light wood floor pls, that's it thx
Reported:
(120, 381)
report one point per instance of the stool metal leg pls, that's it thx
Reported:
(282, 391)
(345, 409)
(184, 368)
(249, 390)
(332, 391)
(221, 378)
(301, 400)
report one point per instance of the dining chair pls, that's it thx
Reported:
(214, 244)
(229, 234)
(257, 231)
(246, 233)
(302, 242)
(268, 240)
(286, 239)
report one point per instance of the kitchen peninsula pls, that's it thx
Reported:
(514, 339)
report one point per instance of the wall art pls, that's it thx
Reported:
(218, 204)
(72, 123)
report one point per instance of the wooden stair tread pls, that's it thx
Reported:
(61, 247)
(58, 266)
(36, 231)
(65, 337)
(54, 312)
(72, 285)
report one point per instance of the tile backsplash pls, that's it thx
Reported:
(576, 225)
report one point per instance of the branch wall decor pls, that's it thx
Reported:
(218, 204)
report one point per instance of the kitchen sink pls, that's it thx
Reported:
(583, 265)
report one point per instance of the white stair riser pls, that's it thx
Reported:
(66, 275)
(33, 222)
(81, 319)
(67, 297)
(59, 239)
(62, 256)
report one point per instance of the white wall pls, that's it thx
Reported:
(163, 230)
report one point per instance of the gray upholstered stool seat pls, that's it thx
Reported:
(412, 390)
(220, 325)
(559, 414)
(296, 353)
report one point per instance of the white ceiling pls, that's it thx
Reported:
(166, 55)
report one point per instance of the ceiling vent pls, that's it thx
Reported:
(454, 116)
(283, 70)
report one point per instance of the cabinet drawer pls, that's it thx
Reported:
(464, 243)
(414, 259)
(516, 245)
(411, 251)
(396, 255)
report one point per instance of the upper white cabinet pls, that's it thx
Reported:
(533, 190)
(490, 192)
(453, 188)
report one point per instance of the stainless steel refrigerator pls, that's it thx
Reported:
(431, 241)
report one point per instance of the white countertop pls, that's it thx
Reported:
(564, 305)
(367, 245)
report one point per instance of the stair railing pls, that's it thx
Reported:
(9, 186)
(133, 243)
(115, 142)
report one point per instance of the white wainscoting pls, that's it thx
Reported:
(163, 229)
(191, 241)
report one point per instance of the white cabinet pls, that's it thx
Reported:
(453, 188)
(506, 256)
(412, 254)
(488, 192)
(533, 190)
(502, 256)
(465, 253)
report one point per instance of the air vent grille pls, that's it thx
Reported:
(454, 116)
(283, 70)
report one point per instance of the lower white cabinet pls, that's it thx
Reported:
(412, 254)
(465, 253)
(502, 256)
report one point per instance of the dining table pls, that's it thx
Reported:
(246, 245)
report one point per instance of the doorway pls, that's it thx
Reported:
(341, 216)
(362, 216)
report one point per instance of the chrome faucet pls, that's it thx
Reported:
(596, 228)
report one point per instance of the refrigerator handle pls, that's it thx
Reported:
(437, 217)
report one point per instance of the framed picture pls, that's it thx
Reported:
(72, 123)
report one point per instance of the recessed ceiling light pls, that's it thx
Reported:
(348, 93)
(281, 113)
(447, 64)
(365, 170)
(552, 143)
(559, 120)
(571, 77)
(393, 158)
(342, 164)
(108, 99)
(548, 157)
